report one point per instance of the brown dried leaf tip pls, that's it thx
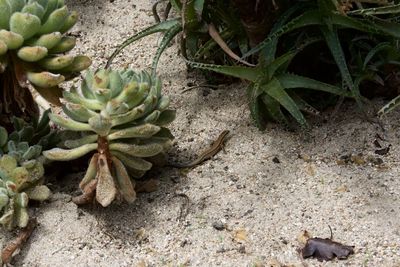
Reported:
(324, 249)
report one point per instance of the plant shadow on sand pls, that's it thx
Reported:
(127, 222)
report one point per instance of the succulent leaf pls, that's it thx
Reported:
(66, 155)
(106, 190)
(25, 24)
(124, 181)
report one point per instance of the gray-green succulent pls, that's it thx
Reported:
(32, 51)
(21, 179)
(121, 115)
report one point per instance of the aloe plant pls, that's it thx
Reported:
(272, 87)
(33, 44)
(328, 18)
(206, 26)
(122, 116)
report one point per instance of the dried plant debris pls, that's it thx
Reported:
(8, 252)
(360, 159)
(325, 249)
(383, 151)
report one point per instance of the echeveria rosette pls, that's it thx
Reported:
(33, 48)
(21, 179)
(122, 116)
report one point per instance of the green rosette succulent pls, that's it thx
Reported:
(33, 48)
(121, 115)
(21, 179)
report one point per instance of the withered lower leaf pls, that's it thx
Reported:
(326, 249)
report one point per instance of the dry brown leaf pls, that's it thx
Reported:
(141, 263)
(324, 249)
(310, 169)
(240, 235)
(341, 189)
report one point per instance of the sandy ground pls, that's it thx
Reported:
(260, 206)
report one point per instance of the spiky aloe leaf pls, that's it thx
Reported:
(395, 102)
(168, 36)
(333, 42)
(390, 9)
(274, 109)
(290, 81)
(246, 73)
(275, 89)
(160, 27)
(253, 92)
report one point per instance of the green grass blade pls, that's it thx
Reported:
(277, 91)
(160, 27)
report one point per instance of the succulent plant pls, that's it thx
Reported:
(122, 115)
(21, 179)
(32, 53)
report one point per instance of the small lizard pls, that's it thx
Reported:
(207, 154)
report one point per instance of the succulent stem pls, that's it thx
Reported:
(103, 149)
(15, 98)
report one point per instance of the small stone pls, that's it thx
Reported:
(234, 179)
(242, 249)
(218, 225)
(276, 160)
(221, 250)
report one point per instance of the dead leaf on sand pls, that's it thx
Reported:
(324, 249)
(341, 189)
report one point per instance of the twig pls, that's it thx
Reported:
(24, 234)
(184, 208)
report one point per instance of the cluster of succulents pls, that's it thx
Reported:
(122, 116)
(21, 177)
(32, 52)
